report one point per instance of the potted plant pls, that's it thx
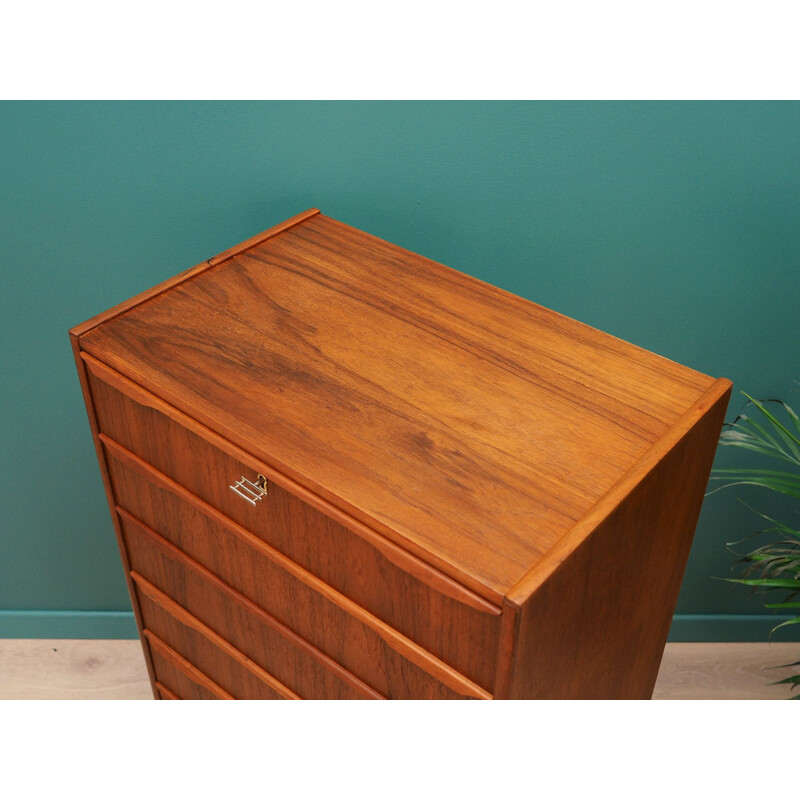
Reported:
(773, 568)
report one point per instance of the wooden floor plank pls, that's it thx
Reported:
(103, 669)
(725, 671)
(73, 669)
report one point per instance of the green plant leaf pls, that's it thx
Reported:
(774, 566)
(771, 557)
(794, 418)
(781, 549)
(792, 621)
(777, 583)
(791, 679)
(769, 437)
(780, 570)
(757, 473)
(788, 437)
(749, 442)
(779, 526)
(781, 546)
(767, 517)
(783, 486)
(740, 437)
(747, 423)
(746, 426)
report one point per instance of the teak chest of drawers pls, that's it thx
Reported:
(338, 469)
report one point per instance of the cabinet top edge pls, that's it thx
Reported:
(176, 280)
(713, 400)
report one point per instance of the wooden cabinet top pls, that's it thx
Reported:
(480, 431)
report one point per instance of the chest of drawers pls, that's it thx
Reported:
(337, 469)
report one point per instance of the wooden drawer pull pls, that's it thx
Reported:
(252, 492)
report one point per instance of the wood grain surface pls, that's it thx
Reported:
(311, 608)
(359, 654)
(86, 669)
(175, 444)
(471, 426)
(199, 645)
(184, 503)
(91, 413)
(252, 631)
(164, 286)
(594, 624)
(467, 495)
(184, 679)
(726, 671)
(164, 693)
(73, 669)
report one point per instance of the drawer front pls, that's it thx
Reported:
(249, 629)
(164, 693)
(298, 600)
(177, 678)
(188, 637)
(446, 619)
(379, 671)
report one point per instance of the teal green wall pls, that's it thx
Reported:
(675, 226)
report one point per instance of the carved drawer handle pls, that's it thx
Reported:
(252, 492)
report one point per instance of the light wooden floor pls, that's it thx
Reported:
(97, 669)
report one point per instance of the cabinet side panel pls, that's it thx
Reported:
(596, 626)
(101, 459)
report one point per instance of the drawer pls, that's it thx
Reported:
(164, 693)
(287, 658)
(176, 678)
(442, 616)
(372, 668)
(331, 622)
(259, 636)
(229, 669)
